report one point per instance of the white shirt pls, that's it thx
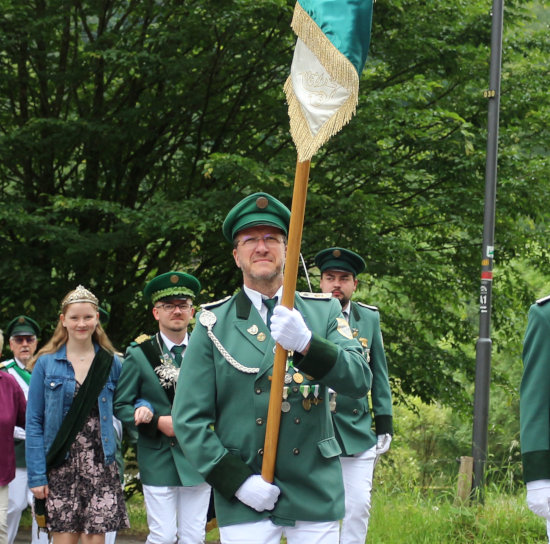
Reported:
(169, 344)
(257, 300)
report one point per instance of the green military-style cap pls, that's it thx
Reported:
(254, 210)
(338, 258)
(172, 285)
(22, 326)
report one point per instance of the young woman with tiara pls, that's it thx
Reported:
(71, 445)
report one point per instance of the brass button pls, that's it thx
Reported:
(259, 421)
(296, 451)
(297, 420)
(258, 391)
(355, 411)
(261, 451)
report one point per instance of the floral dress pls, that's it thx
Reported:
(85, 494)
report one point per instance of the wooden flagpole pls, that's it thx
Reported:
(297, 215)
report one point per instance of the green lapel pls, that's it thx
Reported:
(252, 328)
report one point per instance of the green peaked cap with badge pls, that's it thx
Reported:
(172, 285)
(21, 326)
(338, 258)
(254, 210)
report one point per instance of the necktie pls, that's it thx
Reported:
(178, 357)
(270, 304)
(346, 315)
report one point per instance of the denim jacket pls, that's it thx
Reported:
(51, 393)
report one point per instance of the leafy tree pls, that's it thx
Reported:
(128, 129)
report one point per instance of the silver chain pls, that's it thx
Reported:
(208, 319)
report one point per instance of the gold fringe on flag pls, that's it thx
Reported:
(339, 68)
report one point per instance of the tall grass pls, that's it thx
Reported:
(418, 517)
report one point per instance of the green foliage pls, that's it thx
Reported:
(128, 129)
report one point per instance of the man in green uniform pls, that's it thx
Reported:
(534, 408)
(221, 403)
(361, 444)
(176, 496)
(23, 333)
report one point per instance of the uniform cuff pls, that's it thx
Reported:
(228, 475)
(150, 429)
(319, 359)
(536, 465)
(383, 424)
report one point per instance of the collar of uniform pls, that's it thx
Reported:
(257, 299)
(169, 344)
(355, 311)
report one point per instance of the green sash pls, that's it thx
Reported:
(22, 372)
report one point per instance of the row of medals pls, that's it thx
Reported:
(305, 390)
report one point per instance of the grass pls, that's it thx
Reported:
(417, 517)
(425, 518)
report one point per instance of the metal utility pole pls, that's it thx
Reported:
(483, 346)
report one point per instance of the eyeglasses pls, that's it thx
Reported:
(172, 307)
(270, 241)
(21, 339)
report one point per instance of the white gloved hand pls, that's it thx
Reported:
(289, 329)
(258, 494)
(538, 497)
(383, 443)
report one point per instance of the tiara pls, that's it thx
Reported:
(80, 294)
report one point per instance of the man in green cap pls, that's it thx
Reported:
(361, 444)
(23, 333)
(176, 496)
(221, 403)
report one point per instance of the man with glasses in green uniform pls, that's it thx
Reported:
(176, 496)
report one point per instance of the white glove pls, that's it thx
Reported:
(19, 433)
(538, 497)
(289, 329)
(383, 443)
(258, 494)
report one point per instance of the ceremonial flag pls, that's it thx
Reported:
(323, 87)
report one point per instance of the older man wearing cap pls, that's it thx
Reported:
(361, 443)
(176, 496)
(222, 399)
(23, 333)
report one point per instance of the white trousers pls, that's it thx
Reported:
(20, 497)
(176, 514)
(3, 513)
(357, 472)
(266, 532)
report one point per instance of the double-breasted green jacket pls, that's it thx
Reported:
(160, 459)
(352, 417)
(220, 408)
(534, 395)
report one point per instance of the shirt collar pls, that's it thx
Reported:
(256, 298)
(169, 344)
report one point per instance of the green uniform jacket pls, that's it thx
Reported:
(160, 459)
(220, 411)
(19, 444)
(534, 400)
(352, 418)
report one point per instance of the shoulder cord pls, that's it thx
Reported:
(208, 319)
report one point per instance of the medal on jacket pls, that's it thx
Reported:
(167, 371)
(285, 405)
